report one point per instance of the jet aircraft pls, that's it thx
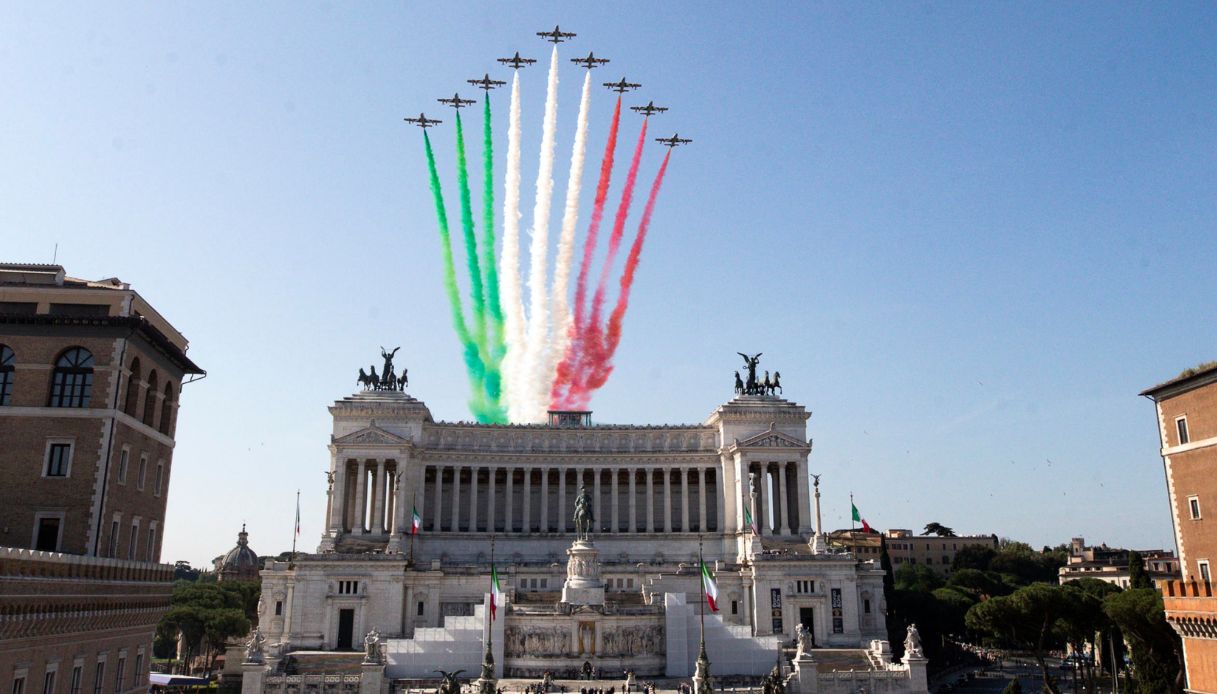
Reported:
(486, 83)
(556, 36)
(516, 61)
(590, 61)
(650, 109)
(423, 121)
(456, 101)
(674, 141)
(622, 86)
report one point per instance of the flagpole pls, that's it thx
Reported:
(296, 526)
(413, 530)
(704, 597)
(851, 512)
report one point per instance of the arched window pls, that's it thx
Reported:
(132, 388)
(72, 382)
(167, 408)
(6, 374)
(150, 398)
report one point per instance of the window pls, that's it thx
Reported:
(77, 675)
(348, 587)
(113, 552)
(72, 381)
(166, 409)
(132, 400)
(134, 542)
(139, 669)
(46, 531)
(19, 685)
(1193, 505)
(123, 458)
(150, 398)
(279, 608)
(58, 459)
(151, 548)
(7, 372)
(143, 472)
(946, 561)
(1203, 565)
(866, 605)
(99, 677)
(1181, 427)
(118, 674)
(805, 586)
(735, 607)
(929, 560)
(48, 682)
(420, 608)
(160, 476)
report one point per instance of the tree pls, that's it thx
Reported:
(1087, 624)
(208, 614)
(1137, 577)
(1025, 619)
(1013, 688)
(981, 585)
(895, 630)
(938, 529)
(973, 557)
(917, 577)
(1157, 653)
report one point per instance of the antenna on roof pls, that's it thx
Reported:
(55, 255)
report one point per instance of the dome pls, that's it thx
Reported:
(241, 563)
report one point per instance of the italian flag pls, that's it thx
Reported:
(496, 593)
(416, 521)
(707, 583)
(748, 519)
(858, 518)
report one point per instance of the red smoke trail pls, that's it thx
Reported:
(623, 211)
(599, 358)
(566, 367)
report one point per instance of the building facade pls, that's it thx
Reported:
(90, 380)
(1111, 565)
(657, 495)
(1186, 408)
(906, 547)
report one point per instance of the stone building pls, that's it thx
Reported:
(906, 547)
(1111, 564)
(90, 380)
(239, 563)
(1186, 409)
(626, 599)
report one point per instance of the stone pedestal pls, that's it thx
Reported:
(252, 677)
(701, 674)
(486, 683)
(371, 678)
(918, 679)
(819, 545)
(583, 585)
(806, 673)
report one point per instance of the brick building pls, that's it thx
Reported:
(90, 379)
(1187, 427)
(1111, 564)
(906, 547)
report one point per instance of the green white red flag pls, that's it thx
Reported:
(748, 519)
(496, 593)
(416, 521)
(707, 584)
(858, 518)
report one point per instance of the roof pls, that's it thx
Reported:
(1200, 374)
(137, 323)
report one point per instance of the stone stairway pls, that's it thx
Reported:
(326, 662)
(732, 648)
(455, 646)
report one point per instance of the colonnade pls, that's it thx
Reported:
(778, 488)
(527, 499)
(363, 500)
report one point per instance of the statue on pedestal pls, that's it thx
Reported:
(912, 643)
(371, 647)
(450, 685)
(583, 514)
(253, 647)
(805, 641)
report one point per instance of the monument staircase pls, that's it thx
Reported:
(731, 646)
(456, 645)
(326, 662)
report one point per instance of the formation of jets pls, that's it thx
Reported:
(674, 141)
(556, 36)
(622, 86)
(516, 61)
(486, 83)
(423, 121)
(456, 101)
(650, 109)
(591, 61)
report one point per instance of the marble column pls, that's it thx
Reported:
(805, 511)
(701, 499)
(616, 477)
(509, 502)
(338, 496)
(766, 500)
(456, 498)
(390, 498)
(436, 521)
(781, 492)
(473, 499)
(684, 500)
(544, 500)
(491, 500)
(526, 502)
(361, 499)
(667, 500)
(720, 500)
(650, 473)
(377, 526)
(599, 519)
(561, 500)
(633, 525)
(400, 483)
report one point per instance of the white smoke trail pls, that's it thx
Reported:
(509, 267)
(535, 360)
(560, 314)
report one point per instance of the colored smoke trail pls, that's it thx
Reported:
(560, 312)
(473, 364)
(477, 307)
(623, 211)
(509, 265)
(493, 346)
(533, 390)
(568, 365)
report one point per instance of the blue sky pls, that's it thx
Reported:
(967, 234)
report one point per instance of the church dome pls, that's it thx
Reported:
(241, 563)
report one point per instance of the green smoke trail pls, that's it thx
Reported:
(473, 361)
(477, 306)
(494, 347)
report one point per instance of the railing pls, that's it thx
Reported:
(1186, 589)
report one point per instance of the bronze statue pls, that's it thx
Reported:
(739, 383)
(404, 380)
(777, 383)
(450, 685)
(583, 514)
(388, 357)
(751, 363)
